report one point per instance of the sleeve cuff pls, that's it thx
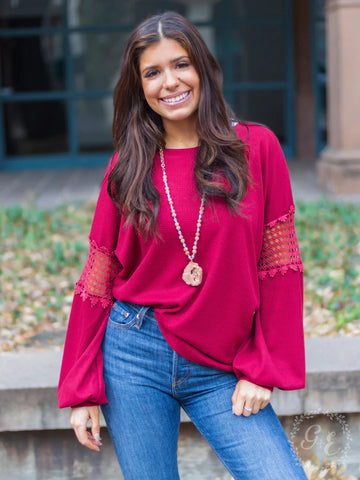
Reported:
(243, 377)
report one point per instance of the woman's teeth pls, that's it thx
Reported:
(175, 99)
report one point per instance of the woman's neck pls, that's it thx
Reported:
(180, 135)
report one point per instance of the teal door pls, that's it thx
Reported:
(59, 60)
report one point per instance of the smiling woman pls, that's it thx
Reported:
(156, 324)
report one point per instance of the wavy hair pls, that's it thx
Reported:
(138, 131)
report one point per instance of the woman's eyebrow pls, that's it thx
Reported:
(151, 67)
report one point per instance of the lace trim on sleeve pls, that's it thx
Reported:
(280, 250)
(97, 276)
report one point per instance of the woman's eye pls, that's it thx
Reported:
(151, 73)
(182, 65)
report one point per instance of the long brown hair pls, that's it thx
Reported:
(138, 131)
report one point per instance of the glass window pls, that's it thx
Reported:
(267, 107)
(26, 13)
(110, 12)
(75, 46)
(33, 63)
(94, 122)
(245, 9)
(259, 54)
(35, 127)
(96, 58)
(93, 12)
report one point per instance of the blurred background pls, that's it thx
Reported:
(289, 64)
(60, 61)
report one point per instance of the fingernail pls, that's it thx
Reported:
(97, 437)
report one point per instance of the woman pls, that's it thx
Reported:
(192, 292)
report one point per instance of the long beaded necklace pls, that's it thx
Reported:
(192, 274)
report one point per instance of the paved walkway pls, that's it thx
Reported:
(47, 188)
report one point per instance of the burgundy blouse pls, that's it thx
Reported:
(246, 316)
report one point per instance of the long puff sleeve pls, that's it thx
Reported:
(81, 377)
(274, 355)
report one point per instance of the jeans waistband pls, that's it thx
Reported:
(141, 310)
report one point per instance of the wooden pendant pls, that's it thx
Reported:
(192, 274)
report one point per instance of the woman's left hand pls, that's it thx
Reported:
(249, 398)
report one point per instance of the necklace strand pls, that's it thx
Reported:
(178, 228)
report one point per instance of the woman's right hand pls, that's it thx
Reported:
(79, 419)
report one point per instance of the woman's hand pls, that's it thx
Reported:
(251, 396)
(79, 419)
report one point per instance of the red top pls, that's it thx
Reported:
(246, 316)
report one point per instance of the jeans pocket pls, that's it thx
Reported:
(121, 316)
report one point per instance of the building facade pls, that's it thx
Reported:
(59, 62)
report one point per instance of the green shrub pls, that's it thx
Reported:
(43, 252)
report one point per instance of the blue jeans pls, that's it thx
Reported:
(146, 384)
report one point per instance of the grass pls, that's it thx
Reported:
(329, 237)
(43, 252)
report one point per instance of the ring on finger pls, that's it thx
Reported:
(248, 409)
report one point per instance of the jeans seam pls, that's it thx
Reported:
(125, 326)
(175, 382)
(208, 441)
(187, 375)
(174, 371)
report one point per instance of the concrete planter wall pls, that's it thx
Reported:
(36, 441)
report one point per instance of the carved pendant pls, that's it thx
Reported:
(192, 274)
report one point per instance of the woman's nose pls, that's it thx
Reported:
(171, 80)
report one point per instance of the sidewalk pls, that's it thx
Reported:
(46, 188)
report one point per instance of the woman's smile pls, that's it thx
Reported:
(176, 99)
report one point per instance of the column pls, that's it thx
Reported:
(339, 165)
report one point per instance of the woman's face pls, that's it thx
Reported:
(170, 82)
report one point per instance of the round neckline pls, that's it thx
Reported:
(180, 149)
(179, 153)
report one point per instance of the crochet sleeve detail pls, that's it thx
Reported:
(95, 283)
(280, 250)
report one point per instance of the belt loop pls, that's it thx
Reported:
(140, 315)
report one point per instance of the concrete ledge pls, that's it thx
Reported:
(28, 382)
(339, 172)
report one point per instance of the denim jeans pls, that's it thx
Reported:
(146, 384)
